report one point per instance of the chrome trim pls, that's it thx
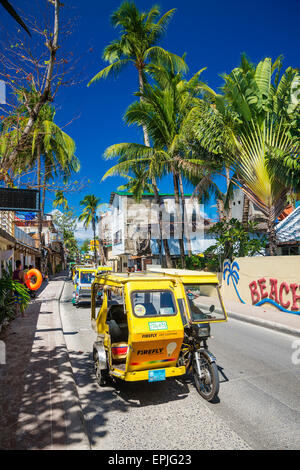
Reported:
(99, 349)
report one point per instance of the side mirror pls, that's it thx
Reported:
(212, 308)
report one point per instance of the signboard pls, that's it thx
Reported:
(94, 242)
(264, 280)
(19, 200)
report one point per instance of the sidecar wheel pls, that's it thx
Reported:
(101, 375)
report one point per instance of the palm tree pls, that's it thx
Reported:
(165, 110)
(255, 124)
(137, 184)
(89, 216)
(60, 200)
(137, 44)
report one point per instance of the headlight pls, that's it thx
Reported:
(203, 329)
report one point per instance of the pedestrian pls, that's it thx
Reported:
(18, 276)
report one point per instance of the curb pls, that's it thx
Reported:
(63, 403)
(264, 323)
(72, 391)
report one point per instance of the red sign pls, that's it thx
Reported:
(284, 295)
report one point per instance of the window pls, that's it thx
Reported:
(204, 302)
(153, 303)
(87, 277)
(118, 237)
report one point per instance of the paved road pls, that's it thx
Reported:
(258, 404)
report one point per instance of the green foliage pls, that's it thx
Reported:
(7, 288)
(66, 224)
(233, 240)
(139, 33)
(194, 262)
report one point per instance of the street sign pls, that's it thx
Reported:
(19, 200)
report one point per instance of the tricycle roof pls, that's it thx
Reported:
(124, 278)
(187, 275)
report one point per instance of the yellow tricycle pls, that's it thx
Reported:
(155, 325)
(83, 279)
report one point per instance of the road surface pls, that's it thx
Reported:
(259, 399)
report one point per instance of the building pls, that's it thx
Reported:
(15, 243)
(288, 233)
(242, 207)
(52, 241)
(129, 231)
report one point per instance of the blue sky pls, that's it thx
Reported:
(213, 34)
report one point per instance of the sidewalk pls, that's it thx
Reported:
(39, 405)
(265, 317)
(268, 318)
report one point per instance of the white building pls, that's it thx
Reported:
(131, 230)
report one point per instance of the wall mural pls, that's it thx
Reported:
(283, 296)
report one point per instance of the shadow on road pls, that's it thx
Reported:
(100, 403)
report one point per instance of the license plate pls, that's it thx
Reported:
(156, 375)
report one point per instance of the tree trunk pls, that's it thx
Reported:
(220, 209)
(185, 230)
(44, 96)
(245, 216)
(39, 188)
(161, 239)
(178, 219)
(271, 234)
(155, 189)
(95, 249)
(227, 214)
(44, 195)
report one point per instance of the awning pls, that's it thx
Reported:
(5, 255)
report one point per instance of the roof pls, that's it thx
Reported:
(185, 273)
(123, 278)
(289, 228)
(159, 274)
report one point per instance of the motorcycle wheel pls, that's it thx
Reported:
(208, 385)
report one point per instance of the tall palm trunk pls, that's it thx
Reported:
(95, 249)
(185, 231)
(271, 234)
(155, 189)
(43, 195)
(246, 207)
(40, 228)
(178, 218)
(220, 209)
(227, 214)
(163, 239)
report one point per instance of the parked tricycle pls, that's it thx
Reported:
(152, 326)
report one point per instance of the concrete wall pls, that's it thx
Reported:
(272, 281)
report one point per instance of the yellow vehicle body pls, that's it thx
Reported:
(194, 278)
(152, 310)
(83, 284)
(153, 342)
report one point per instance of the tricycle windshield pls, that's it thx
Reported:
(204, 302)
(87, 277)
(150, 303)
